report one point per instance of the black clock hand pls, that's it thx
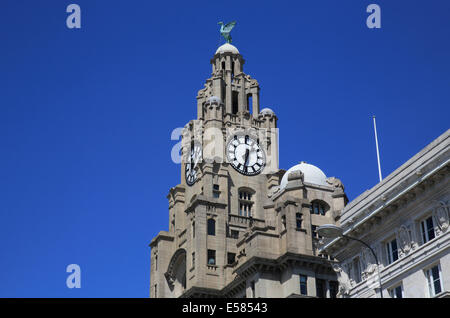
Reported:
(247, 152)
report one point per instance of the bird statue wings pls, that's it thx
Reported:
(225, 30)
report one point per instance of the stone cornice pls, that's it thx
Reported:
(162, 236)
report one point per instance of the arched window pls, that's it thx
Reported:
(211, 227)
(319, 207)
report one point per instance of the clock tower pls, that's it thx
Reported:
(238, 225)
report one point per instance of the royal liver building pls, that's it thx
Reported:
(238, 225)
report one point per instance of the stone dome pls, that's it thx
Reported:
(311, 174)
(227, 48)
(266, 111)
(214, 99)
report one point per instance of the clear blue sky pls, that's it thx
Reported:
(86, 115)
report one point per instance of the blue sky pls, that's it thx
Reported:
(86, 115)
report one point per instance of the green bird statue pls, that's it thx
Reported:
(225, 30)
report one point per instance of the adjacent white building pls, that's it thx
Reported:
(405, 219)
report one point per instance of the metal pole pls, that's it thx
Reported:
(374, 255)
(378, 152)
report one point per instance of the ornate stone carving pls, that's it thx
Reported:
(296, 175)
(335, 182)
(369, 264)
(344, 281)
(440, 213)
(404, 239)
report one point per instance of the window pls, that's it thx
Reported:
(320, 288)
(318, 207)
(234, 234)
(211, 227)
(356, 270)
(427, 229)
(392, 251)
(156, 262)
(434, 280)
(231, 258)
(396, 292)
(156, 290)
(216, 192)
(211, 257)
(298, 220)
(314, 232)
(193, 229)
(303, 285)
(334, 288)
(235, 97)
(193, 259)
(245, 204)
(283, 221)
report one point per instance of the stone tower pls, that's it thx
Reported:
(238, 225)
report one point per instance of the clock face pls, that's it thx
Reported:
(246, 155)
(191, 168)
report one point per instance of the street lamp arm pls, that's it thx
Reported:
(365, 244)
(374, 255)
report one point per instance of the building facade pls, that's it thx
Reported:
(238, 225)
(405, 220)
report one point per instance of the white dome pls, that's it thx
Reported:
(266, 111)
(311, 174)
(214, 99)
(227, 47)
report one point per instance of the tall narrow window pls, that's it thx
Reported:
(223, 66)
(156, 291)
(193, 229)
(427, 228)
(334, 288)
(356, 270)
(232, 70)
(434, 280)
(392, 251)
(156, 262)
(320, 288)
(231, 258)
(216, 191)
(245, 203)
(283, 221)
(303, 285)
(235, 98)
(211, 227)
(298, 220)
(211, 257)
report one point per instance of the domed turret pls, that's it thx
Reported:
(227, 48)
(311, 174)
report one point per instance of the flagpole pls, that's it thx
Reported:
(376, 143)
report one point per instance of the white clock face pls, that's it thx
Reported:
(191, 169)
(246, 155)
